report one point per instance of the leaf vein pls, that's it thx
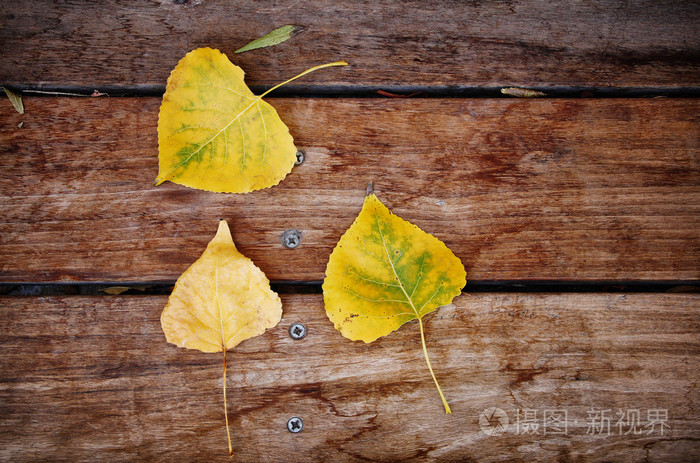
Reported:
(221, 88)
(420, 275)
(240, 125)
(388, 258)
(369, 253)
(373, 299)
(431, 297)
(262, 119)
(371, 280)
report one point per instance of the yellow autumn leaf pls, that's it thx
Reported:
(214, 134)
(385, 272)
(220, 301)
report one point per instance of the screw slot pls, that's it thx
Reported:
(300, 158)
(297, 331)
(291, 238)
(295, 425)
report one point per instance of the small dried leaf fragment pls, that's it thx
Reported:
(385, 272)
(522, 92)
(279, 35)
(214, 134)
(15, 99)
(221, 300)
(115, 290)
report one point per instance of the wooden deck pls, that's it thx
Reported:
(576, 215)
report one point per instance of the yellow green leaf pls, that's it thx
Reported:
(214, 134)
(385, 272)
(220, 301)
(279, 35)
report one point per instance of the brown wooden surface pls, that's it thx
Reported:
(419, 43)
(93, 379)
(571, 190)
(534, 190)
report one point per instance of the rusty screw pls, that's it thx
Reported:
(300, 158)
(297, 331)
(291, 238)
(295, 425)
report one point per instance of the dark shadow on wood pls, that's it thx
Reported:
(314, 287)
(326, 91)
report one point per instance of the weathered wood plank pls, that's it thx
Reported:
(535, 190)
(389, 44)
(562, 190)
(92, 379)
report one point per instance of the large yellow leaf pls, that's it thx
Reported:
(220, 301)
(385, 272)
(215, 134)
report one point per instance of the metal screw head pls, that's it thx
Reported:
(295, 424)
(300, 158)
(291, 238)
(297, 331)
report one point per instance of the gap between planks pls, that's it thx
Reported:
(403, 91)
(314, 287)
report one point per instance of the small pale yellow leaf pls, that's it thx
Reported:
(221, 300)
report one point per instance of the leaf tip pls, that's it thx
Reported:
(15, 99)
(223, 227)
(370, 189)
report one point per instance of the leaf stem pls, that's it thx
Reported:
(228, 433)
(308, 71)
(427, 360)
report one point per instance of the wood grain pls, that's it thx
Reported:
(92, 379)
(526, 190)
(390, 45)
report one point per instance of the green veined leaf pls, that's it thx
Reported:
(385, 272)
(279, 35)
